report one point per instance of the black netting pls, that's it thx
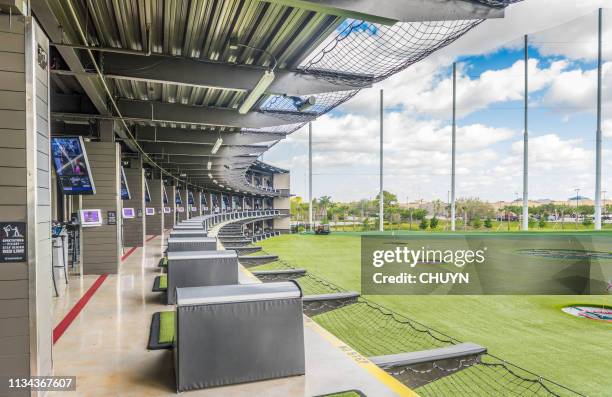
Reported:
(374, 330)
(497, 3)
(360, 54)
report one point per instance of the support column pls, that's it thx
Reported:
(525, 223)
(381, 217)
(454, 148)
(170, 217)
(310, 176)
(134, 228)
(598, 146)
(155, 223)
(101, 245)
(183, 215)
(197, 197)
(25, 277)
(283, 203)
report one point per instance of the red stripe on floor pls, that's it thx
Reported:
(124, 257)
(151, 238)
(59, 330)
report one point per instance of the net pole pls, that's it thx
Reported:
(525, 223)
(453, 148)
(381, 219)
(598, 146)
(310, 176)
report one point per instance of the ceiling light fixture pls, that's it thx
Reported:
(218, 144)
(257, 91)
(264, 82)
(209, 165)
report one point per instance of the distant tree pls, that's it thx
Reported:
(488, 223)
(424, 224)
(587, 221)
(366, 224)
(476, 223)
(433, 222)
(542, 220)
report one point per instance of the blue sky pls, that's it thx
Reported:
(490, 122)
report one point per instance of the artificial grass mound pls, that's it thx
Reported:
(347, 393)
(162, 333)
(160, 284)
(167, 328)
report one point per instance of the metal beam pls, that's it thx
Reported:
(199, 150)
(175, 135)
(201, 115)
(389, 12)
(196, 73)
(183, 160)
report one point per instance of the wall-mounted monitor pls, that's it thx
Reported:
(190, 199)
(125, 190)
(194, 209)
(90, 218)
(128, 213)
(165, 197)
(147, 193)
(180, 209)
(177, 199)
(167, 210)
(150, 211)
(203, 202)
(71, 165)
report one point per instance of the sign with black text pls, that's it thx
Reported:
(13, 242)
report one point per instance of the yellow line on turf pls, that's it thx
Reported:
(362, 361)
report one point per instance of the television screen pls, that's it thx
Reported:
(125, 190)
(128, 213)
(167, 210)
(190, 199)
(90, 217)
(147, 194)
(150, 211)
(177, 199)
(71, 165)
(165, 195)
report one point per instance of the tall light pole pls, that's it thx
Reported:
(381, 219)
(598, 149)
(453, 147)
(310, 176)
(577, 197)
(525, 223)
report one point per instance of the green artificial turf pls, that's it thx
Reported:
(167, 327)
(530, 331)
(163, 281)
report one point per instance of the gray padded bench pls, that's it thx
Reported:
(191, 244)
(200, 268)
(188, 233)
(188, 227)
(238, 333)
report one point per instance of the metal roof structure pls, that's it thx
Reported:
(202, 88)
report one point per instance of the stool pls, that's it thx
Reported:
(63, 265)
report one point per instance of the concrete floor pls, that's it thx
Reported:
(105, 346)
